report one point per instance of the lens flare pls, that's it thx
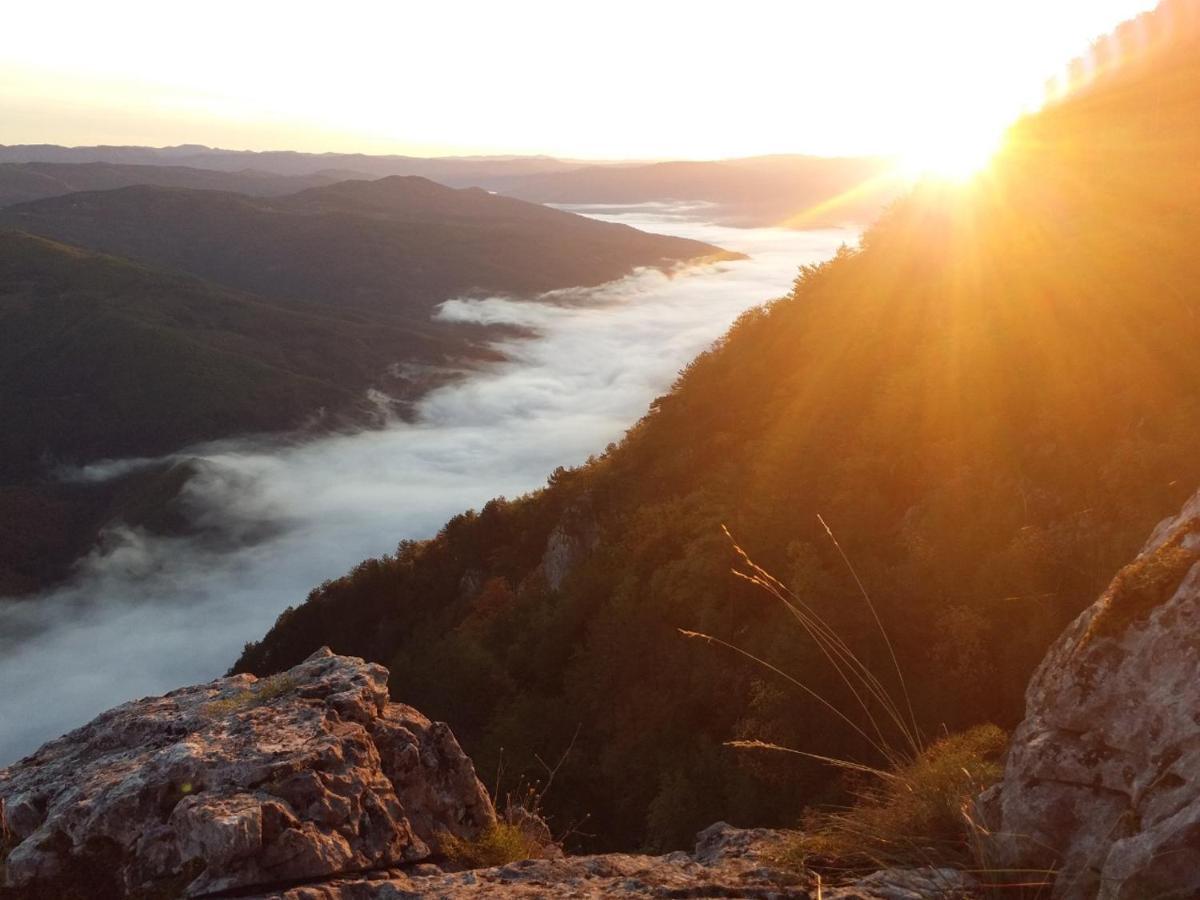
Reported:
(956, 152)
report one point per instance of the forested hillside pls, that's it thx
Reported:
(196, 362)
(223, 315)
(990, 403)
(399, 245)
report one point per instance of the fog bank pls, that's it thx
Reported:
(150, 614)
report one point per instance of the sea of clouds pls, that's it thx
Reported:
(149, 614)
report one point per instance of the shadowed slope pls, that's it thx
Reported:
(398, 245)
(100, 357)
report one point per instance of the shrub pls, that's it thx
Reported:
(496, 845)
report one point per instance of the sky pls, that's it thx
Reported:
(586, 79)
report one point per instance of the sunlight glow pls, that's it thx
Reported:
(957, 153)
(674, 79)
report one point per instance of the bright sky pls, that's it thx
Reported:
(577, 78)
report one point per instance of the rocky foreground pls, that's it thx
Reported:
(240, 783)
(313, 785)
(727, 862)
(1102, 783)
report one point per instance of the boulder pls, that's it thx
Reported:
(238, 783)
(1102, 782)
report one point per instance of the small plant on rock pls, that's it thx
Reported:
(496, 845)
(261, 693)
(914, 814)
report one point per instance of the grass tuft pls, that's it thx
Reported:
(914, 809)
(917, 816)
(496, 845)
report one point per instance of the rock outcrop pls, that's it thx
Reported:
(727, 862)
(237, 784)
(311, 785)
(573, 539)
(1102, 783)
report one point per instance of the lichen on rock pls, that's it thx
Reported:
(1145, 583)
(239, 783)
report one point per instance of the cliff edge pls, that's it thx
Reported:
(1102, 782)
(236, 784)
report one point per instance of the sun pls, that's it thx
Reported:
(957, 151)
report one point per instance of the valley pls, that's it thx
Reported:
(305, 313)
(272, 518)
(740, 455)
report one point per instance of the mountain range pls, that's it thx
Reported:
(798, 191)
(812, 588)
(455, 171)
(794, 190)
(399, 245)
(21, 182)
(139, 320)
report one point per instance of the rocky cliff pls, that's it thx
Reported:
(237, 784)
(311, 785)
(1102, 783)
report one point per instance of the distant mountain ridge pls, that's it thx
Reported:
(804, 191)
(206, 362)
(22, 182)
(455, 171)
(401, 244)
(796, 190)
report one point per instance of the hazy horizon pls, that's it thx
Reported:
(583, 160)
(382, 80)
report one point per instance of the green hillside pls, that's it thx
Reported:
(399, 245)
(990, 403)
(100, 357)
(195, 361)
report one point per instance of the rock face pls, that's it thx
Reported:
(727, 862)
(1103, 777)
(310, 785)
(239, 783)
(574, 537)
